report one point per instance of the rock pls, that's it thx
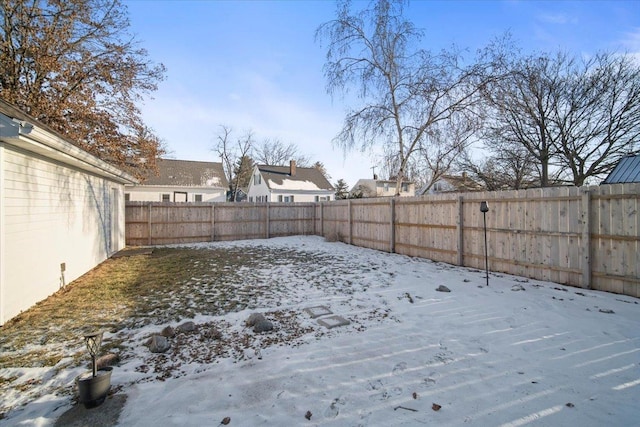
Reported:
(436, 407)
(263, 326)
(212, 334)
(109, 359)
(254, 318)
(158, 344)
(443, 288)
(186, 327)
(168, 332)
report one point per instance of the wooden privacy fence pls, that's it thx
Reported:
(150, 223)
(587, 237)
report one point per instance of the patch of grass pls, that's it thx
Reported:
(170, 285)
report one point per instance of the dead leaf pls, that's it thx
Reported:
(308, 415)
(226, 420)
(570, 405)
(415, 395)
(436, 407)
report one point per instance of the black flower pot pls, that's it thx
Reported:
(93, 390)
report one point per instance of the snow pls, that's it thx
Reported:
(519, 352)
(290, 184)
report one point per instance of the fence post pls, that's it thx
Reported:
(213, 222)
(149, 223)
(459, 230)
(586, 238)
(268, 224)
(392, 225)
(322, 219)
(350, 223)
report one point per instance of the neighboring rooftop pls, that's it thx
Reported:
(188, 173)
(627, 170)
(294, 177)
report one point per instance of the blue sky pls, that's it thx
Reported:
(255, 64)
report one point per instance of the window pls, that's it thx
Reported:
(166, 197)
(386, 186)
(280, 198)
(257, 179)
(197, 197)
(405, 187)
(127, 197)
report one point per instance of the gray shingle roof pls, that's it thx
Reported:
(627, 170)
(188, 173)
(277, 175)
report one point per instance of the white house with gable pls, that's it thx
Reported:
(61, 211)
(181, 181)
(288, 184)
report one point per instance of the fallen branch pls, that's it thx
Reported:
(402, 407)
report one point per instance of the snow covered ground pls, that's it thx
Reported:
(519, 352)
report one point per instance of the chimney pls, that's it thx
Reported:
(292, 168)
(375, 176)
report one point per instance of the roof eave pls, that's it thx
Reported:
(34, 139)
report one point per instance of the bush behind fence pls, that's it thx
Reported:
(586, 237)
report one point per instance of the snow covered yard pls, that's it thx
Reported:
(519, 352)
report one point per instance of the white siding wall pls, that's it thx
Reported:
(299, 196)
(258, 190)
(52, 214)
(154, 194)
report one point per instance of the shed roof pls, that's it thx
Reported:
(281, 178)
(627, 170)
(188, 173)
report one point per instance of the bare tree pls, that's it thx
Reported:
(523, 103)
(510, 168)
(405, 92)
(74, 66)
(576, 118)
(323, 170)
(446, 141)
(234, 157)
(274, 152)
(597, 120)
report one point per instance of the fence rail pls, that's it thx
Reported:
(586, 237)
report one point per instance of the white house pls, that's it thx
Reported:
(288, 184)
(181, 181)
(61, 211)
(381, 188)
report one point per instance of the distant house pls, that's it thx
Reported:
(61, 211)
(627, 170)
(181, 181)
(288, 184)
(381, 188)
(454, 184)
